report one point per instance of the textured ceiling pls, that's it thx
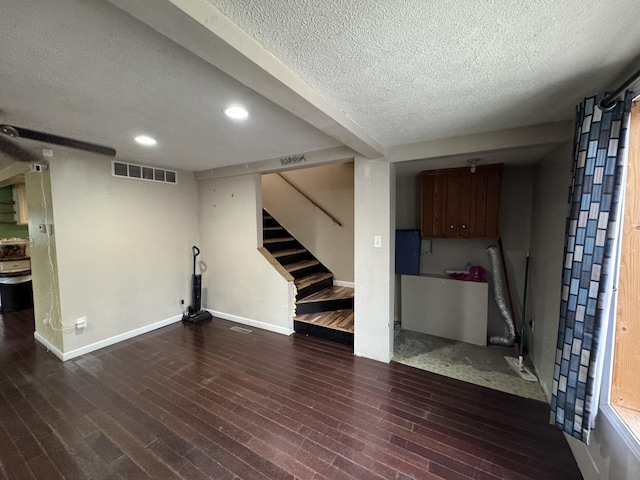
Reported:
(405, 71)
(86, 69)
(410, 71)
(524, 156)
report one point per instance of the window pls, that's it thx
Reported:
(624, 394)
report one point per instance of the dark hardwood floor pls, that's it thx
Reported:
(203, 401)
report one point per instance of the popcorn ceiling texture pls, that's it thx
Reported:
(404, 71)
(88, 70)
(408, 71)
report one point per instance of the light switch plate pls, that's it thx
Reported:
(377, 241)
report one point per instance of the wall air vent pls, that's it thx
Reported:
(143, 172)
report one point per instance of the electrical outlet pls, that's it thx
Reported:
(46, 228)
(38, 167)
(46, 321)
(81, 323)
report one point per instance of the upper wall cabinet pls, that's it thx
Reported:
(457, 203)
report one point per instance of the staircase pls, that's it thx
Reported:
(322, 309)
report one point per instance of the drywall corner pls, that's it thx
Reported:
(374, 267)
(44, 262)
(550, 208)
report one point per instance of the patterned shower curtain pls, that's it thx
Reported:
(592, 227)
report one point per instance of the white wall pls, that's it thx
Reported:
(44, 263)
(331, 187)
(550, 209)
(607, 457)
(374, 267)
(515, 224)
(515, 227)
(123, 247)
(239, 283)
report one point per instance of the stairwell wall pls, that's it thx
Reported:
(331, 186)
(239, 284)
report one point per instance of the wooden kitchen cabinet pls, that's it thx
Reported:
(457, 203)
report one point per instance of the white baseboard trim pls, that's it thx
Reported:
(64, 356)
(340, 283)
(252, 323)
(48, 345)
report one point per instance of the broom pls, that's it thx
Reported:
(516, 364)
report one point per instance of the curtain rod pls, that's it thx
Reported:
(608, 102)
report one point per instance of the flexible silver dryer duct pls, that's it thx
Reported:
(501, 299)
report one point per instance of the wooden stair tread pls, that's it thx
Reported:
(311, 279)
(330, 293)
(272, 228)
(335, 320)
(284, 253)
(292, 267)
(278, 240)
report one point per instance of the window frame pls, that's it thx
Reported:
(607, 408)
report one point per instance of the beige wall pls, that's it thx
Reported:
(607, 457)
(123, 248)
(331, 187)
(550, 209)
(239, 284)
(515, 223)
(374, 278)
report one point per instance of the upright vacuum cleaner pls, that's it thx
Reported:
(195, 313)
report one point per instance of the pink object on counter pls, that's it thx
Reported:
(475, 274)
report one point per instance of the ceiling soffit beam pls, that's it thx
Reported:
(272, 165)
(544, 134)
(203, 30)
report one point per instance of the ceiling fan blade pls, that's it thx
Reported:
(56, 140)
(17, 153)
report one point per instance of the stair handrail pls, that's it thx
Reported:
(334, 219)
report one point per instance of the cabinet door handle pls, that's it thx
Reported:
(464, 226)
(451, 226)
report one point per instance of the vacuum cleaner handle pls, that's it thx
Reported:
(196, 252)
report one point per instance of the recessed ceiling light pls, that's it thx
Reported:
(145, 140)
(236, 112)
